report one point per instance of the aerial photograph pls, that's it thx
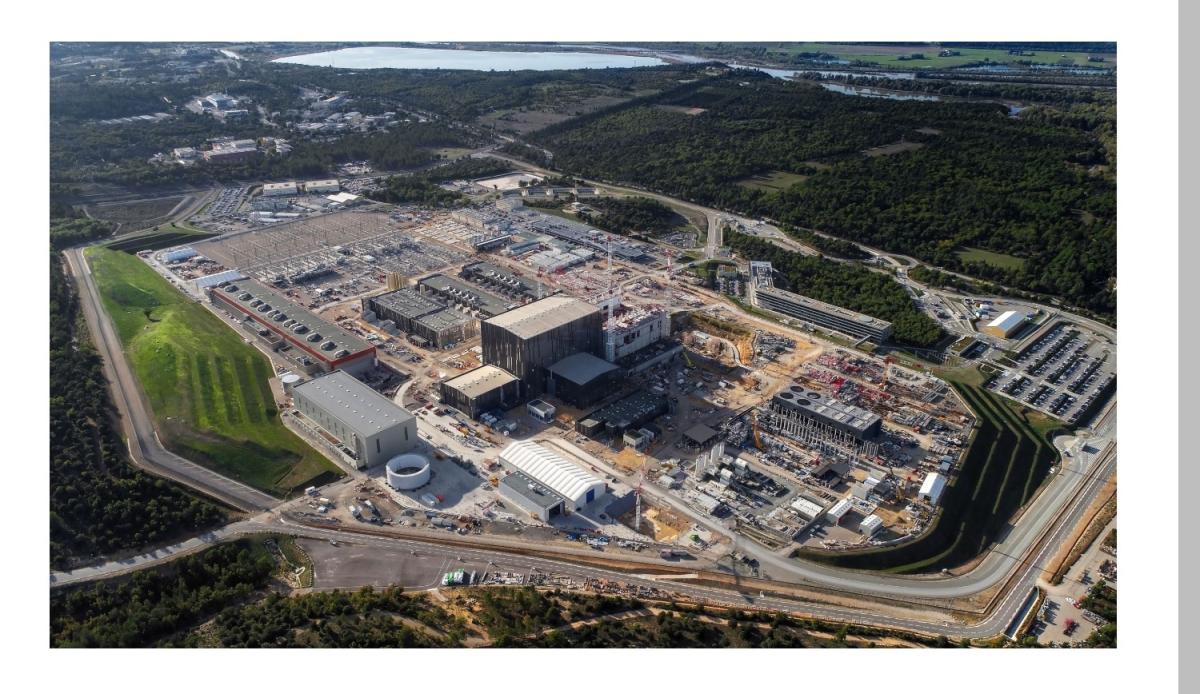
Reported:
(582, 344)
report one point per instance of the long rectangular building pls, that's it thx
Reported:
(820, 313)
(369, 425)
(527, 340)
(320, 345)
(797, 407)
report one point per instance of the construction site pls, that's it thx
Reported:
(704, 412)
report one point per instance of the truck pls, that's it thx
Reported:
(673, 553)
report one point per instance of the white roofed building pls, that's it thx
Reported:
(561, 476)
(932, 487)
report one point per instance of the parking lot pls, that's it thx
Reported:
(1067, 372)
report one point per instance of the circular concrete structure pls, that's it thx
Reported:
(408, 471)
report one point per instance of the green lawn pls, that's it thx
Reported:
(207, 387)
(1000, 260)
(772, 181)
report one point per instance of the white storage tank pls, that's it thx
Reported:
(408, 471)
(290, 381)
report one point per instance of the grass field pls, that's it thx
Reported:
(208, 389)
(1009, 457)
(772, 181)
(1000, 260)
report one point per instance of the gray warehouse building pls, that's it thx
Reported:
(527, 340)
(426, 320)
(371, 427)
(479, 390)
(797, 408)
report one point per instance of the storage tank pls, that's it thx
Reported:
(408, 471)
(290, 381)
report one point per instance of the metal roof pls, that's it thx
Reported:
(1007, 321)
(466, 294)
(561, 476)
(530, 490)
(545, 314)
(482, 380)
(352, 402)
(582, 368)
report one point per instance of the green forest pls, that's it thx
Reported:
(636, 216)
(99, 502)
(844, 284)
(938, 177)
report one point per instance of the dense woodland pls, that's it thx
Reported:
(155, 604)
(635, 216)
(1040, 186)
(850, 285)
(66, 232)
(99, 502)
(423, 189)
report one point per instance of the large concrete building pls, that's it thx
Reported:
(796, 409)
(527, 340)
(372, 428)
(227, 151)
(576, 486)
(633, 329)
(762, 293)
(313, 343)
(480, 390)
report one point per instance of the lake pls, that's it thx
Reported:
(370, 57)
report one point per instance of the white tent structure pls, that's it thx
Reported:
(565, 478)
(931, 488)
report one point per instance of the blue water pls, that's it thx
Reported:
(369, 57)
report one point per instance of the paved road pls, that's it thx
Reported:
(145, 448)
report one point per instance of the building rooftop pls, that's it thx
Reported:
(408, 302)
(824, 307)
(700, 433)
(1008, 320)
(270, 307)
(527, 488)
(443, 319)
(545, 314)
(827, 408)
(560, 475)
(478, 381)
(467, 294)
(582, 368)
(353, 402)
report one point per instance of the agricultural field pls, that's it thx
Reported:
(772, 181)
(1009, 457)
(890, 56)
(208, 389)
(1000, 260)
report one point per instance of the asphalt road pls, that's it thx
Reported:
(145, 448)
